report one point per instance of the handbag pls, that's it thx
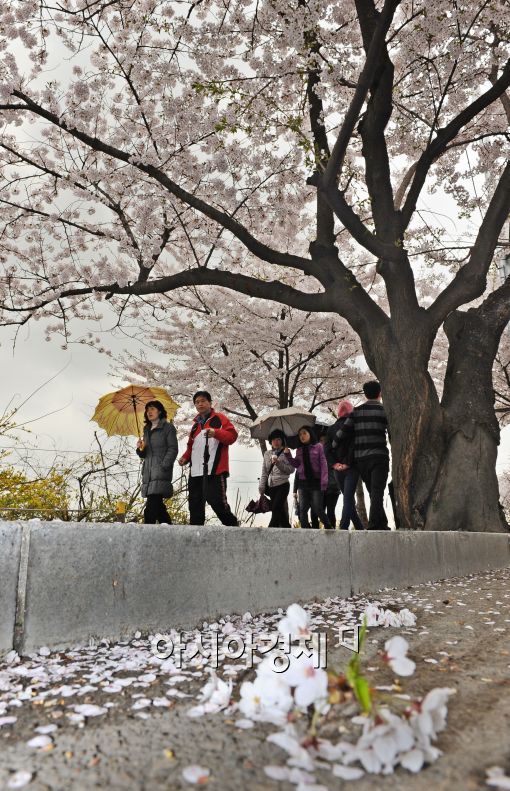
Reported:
(260, 506)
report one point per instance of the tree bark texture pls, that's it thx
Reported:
(466, 492)
(443, 453)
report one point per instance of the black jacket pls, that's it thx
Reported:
(343, 453)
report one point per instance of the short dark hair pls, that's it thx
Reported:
(277, 433)
(159, 406)
(203, 393)
(372, 389)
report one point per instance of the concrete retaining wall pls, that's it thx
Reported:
(10, 548)
(79, 581)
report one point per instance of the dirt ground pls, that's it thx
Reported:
(461, 640)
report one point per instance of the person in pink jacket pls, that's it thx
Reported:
(312, 476)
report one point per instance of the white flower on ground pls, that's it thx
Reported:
(46, 729)
(296, 623)
(142, 703)
(7, 721)
(332, 752)
(381, 743)
(299, 756)
(431, 718)
(412, 760)
(347, 772)
(198, 775)
(161, 702)
(407, 618)
(311, 683)
(168, 666)
(244, 725)
(38, 742)
(384, 743)
(76, 718)
(294, 775)
(378, 616)
(496, 778)
(390, 618)
(267, 699)
(372, 613)
(89, 710)
(390, 740)
(19, 779)
(214, 697)
(395, 655)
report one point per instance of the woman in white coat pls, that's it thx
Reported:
(274, 479)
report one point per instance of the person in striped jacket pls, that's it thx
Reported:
(369, 425)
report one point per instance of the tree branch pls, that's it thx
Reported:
(470, 281)
(272, 290)
(46, 215)
(354, 224)
(262, 251)
(325, 216)
(365, 80)
(372, 126)
(444, 136)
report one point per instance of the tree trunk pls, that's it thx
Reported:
(466, 495)
(361, 507)
(443, 454)
(415, 423)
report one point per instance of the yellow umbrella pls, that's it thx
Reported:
(122, 412)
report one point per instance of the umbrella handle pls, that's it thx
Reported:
(136, 416)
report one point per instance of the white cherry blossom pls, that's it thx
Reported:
(214, 697)
(431, 718)
(296, 622)
(267, 699)
(395, 654)
(19, 779)
(496, 778)
(90, 710)
(298, 755)
(309, 682)
(195, 774)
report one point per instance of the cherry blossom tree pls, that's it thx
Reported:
(279, 150)
(253, 355)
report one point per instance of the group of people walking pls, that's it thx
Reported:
(325, 464)
(329, 463)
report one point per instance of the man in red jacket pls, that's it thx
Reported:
(207, 452)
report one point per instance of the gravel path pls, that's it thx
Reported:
(461, 640)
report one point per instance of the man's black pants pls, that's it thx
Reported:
(215, 495)
(374, 474)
